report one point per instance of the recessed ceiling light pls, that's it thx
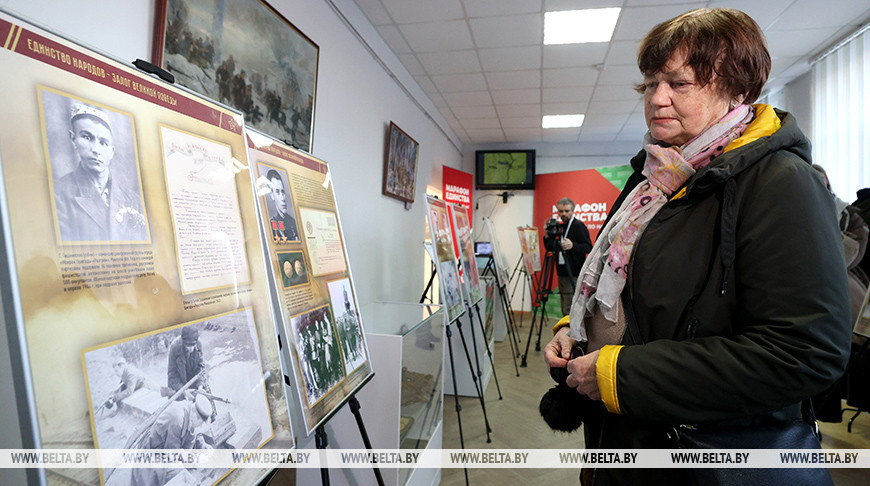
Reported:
(576, 26)
(562, 121)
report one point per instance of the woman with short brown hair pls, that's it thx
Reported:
(714, 302)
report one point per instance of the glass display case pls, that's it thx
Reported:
(406, 340)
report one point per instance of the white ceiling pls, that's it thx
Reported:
(484, 66)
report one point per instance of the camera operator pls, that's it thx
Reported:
(568, 238)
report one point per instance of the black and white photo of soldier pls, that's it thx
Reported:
(319, 352)
(279, 204)
(130, 379)
(185, 366)
(95, 174)
(198, 385)
(182, 425)
(347, 323)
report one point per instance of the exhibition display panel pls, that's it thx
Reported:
(326, 353)
(443, 256)
(133, 267)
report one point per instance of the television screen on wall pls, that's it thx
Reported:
(505, 169)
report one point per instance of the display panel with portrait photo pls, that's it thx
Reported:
(198, 251)
(445, 257)
(465, 244)
(94, 170)
(327, 371)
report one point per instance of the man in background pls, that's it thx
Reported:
(569, 238)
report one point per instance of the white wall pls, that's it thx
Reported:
(355, 101)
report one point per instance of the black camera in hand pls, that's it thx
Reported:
(562, 407)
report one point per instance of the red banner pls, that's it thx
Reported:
(457, 186)
(592, 193)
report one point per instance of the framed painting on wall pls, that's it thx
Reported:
(244, 54)
(400, 168)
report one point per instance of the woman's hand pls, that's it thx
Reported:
(558, 350)
(582, 375)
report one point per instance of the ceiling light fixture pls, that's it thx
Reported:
(562, 121)
(578, 26)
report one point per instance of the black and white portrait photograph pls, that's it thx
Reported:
(347, 323)
(94, 171)
(292, 268)
(195, 386)
(279, 204)
(319, 354)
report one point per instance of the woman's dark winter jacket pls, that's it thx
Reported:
(740, 296)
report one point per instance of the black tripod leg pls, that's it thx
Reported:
(515, 347)
(543, 293)
(474, 342)
(477, 385)
(456, 394)
(525, 361)
(428, 285)
(354, 409)
(488, 351)
(526, 287)
(511, 325)
(540, 328)
(321, 443)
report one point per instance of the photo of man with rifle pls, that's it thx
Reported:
(209, 391)
(185, 361)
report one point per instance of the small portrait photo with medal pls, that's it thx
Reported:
(94, 171)
(292, 268)
(279, 204)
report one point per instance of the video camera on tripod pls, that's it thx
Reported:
(553, 231)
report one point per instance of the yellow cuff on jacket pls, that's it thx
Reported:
(559, 325)
(605, 371)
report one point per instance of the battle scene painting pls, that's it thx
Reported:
(246, 55)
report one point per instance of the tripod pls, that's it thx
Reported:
(543, 291)
(522, 270)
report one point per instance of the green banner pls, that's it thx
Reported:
(617, 175)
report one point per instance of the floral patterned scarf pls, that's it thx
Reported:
(666, 168)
